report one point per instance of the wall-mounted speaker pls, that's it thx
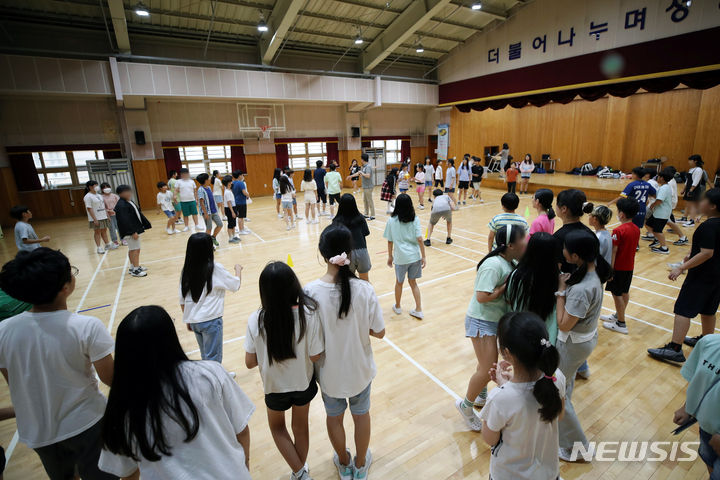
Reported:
(355, 131)
(139, 137)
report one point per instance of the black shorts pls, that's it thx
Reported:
(284, 401)
(334, 197)
(657, 224)
(449, 190)
(620, 283)
(232, 221)
(438, 183)
(322, 195)
(463, 184)
(240, 211)
(698, 296)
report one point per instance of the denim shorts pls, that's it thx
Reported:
(359, 404)
(474, 327)
(286, 205)
(169, 213)
(708, 455)
(413, 271)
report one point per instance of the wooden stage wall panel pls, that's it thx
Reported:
(619, 132)
(8, 196)
(147, 174)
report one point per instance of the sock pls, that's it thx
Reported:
(467, 404)
(619, 323)
(675, 346)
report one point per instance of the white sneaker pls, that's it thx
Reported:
(247, 219)
(288, 227)
(299, 217)
(397, 310)
(138, 273)
(185, 229)
(609, 318)
(615, 327)
(422, 207)
(244, 232)
(169, 231)
(316, 221)
(232, 374)
(344, 471)
(361, 473)
(417, 314)
(176, 231)
(481, 399)
(471, 420)
(100, 250)
(280, 215)
(110, 246)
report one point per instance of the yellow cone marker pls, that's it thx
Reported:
(289, 261)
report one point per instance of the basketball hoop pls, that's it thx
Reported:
(265, 131)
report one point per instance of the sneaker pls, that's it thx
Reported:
(481, 399)
(654, 243)
(288, 227)
(471, 420)
(371, 218)
(345, 471)
(609, 318)
(397, 310)
(299, 217)
(361, 473)
(660, 250)
(448, 240)
(690, 223)
(301, 475)
(246, 219)
(244, 231)
(124, 243)
(584, 373)
(647, 237)
(100, 250)
(616, 327)
(280, 215)
(185, 229)
(427, 242)
(692, 341)
(464, 202)
(176, 231)
(136, 272)
(179, 222)
(215, 242)
(316, 221)
(170, 231)
(422, 207)
(683, 220)
(141, 268)
(681, 241)
(417, 314)
(234, 240)
(667, 353)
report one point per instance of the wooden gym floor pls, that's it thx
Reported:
(423, 366)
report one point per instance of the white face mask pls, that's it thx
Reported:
(96, 188)
(107, 190)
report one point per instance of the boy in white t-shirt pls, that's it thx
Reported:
(186, 191)
(229, 198)
(165, 199)
(47, 356)
(442, 207)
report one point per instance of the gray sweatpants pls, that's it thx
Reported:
(368, 203)
(572, 355)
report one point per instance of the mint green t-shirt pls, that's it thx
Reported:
(334, 181)
(404, 236)
(664, 194)
(701, 369)
(491, 274)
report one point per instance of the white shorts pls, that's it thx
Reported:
(132, 243)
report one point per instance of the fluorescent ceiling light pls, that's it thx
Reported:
(141, 10)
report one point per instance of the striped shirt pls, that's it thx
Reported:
(503, 219)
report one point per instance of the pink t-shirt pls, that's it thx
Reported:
(110, 202)
(542, 224)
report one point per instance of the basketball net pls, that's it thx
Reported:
(265, 131)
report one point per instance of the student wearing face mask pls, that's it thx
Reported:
(97, 216)
(110, 200)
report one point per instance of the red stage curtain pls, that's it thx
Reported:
(172, 159)
(332, 153)
(281, 155)
(365, 144)
(404, 150)
(237, 158)
(26, 175)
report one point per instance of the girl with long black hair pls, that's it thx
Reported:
(387, 191)
(277, 173)
(545, 221)
(203, 283)
(532, 285)
(168, 416)
(283, 339)
(287, 198)
(349, 215)
(520, 418)
(350, 313)
(486, 307)
(579, 301)
(571, 205)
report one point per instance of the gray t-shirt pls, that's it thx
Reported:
(605, 240)
(584, 301)
(367, 182)
(25, 230)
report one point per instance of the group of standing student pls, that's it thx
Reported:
(98, 215)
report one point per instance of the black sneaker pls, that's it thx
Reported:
(136, 272)
(448, 240)
(667, 353)
(683, 219)
(692, 341)
(681, 241)
(371, 218)
(690, 223)
(660, 250)
(655, 243)
(427, 242)
(648, 237)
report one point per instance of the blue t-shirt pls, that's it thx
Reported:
(237, 189)
(206, 194)
(319, 176)
(640, 190)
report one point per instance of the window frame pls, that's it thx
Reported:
(72, 169)
(206, 161)
(389, 153)
(308, 158)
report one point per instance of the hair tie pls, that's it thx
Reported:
(552, 377)
(545, 342)
(340, 260)
(508, 233)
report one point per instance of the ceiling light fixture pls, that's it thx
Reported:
(141, 10)
(358, 40)
(476, 6)
(419, 48)
(262, 25)
(688, 3)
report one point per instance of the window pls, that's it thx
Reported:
(205, 159)
(304, 155)
(392, 149)
(64, 169)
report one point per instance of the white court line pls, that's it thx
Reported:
(117, 295)
(641, 321)
(258, 236)
(92, 280)
(655, 281)
(236, 339)
(11, 448)
(422, 369)
(428, 282)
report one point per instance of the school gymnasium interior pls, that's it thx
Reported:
(124, 91)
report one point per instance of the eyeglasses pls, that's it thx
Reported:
(74, 271)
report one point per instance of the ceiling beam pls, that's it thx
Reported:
(282, 17)
(403, 27)
(372, 6)
(486, 9)
(341, 36)
(117, 13)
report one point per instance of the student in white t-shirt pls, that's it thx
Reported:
(97, 216)
(520, 417)
(47, 357)
(672, 224)
(442, 207)
(165, 199)
(170, 417)
(283, 339)
(230, 214)
(186, 193)
(203, 283)
(349, 313)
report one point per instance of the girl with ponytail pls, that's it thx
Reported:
(520, 418)
(545, 221)
(283, 339)
(579, 301)
(487, 306)
(349, 313)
